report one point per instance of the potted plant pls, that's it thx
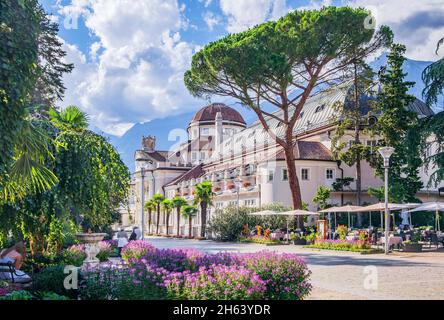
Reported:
(413, 245)
(246, 184)
(231, 186)
(298, 240)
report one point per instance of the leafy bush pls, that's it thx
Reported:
(260, 240)
(18, 295)
(135, 250)
(229, 224)
(105, 251)
(75, 255)
(53, 296)
(51, 280)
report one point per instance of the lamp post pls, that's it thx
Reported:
(386, 153)
(238, 182)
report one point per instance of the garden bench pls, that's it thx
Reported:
(8, 272)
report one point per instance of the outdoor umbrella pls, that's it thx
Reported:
(295, 213)
(432, 206)
(381, 208)
(347, 208)
(263, 213)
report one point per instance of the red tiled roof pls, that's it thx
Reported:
(308, 150)
(208, 113)
(194, 173)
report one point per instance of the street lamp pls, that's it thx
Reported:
(238, 182)
(386, 153)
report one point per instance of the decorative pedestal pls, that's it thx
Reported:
(91, 241)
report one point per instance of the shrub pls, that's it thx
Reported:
(286, 275)
(74, 255)
(135, 250)
(217, 282)
(51, 280)
(342, 245)
(342, 231)
(53, 296)
(18, 295)
(105, 251)
(229, 224)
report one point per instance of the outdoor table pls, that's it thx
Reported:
(351, 238)
(393, 241)
(277, 235)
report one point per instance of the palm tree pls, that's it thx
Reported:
(189, 212)
(167, 206)
(28, 172)
(178, 203)
(203, 195)
(71, 118)
(158, 198)
(150, 206)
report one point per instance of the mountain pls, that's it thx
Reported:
(169, 131)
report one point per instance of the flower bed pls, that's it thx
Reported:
(261, 240)
(135, 250)
(193, 275)
(343, 245)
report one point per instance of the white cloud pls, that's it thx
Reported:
(418, 24)
(211, 20)
(243, 14)
(136, 69)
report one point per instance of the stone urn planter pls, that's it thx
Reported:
(91, 240)
(412, 247)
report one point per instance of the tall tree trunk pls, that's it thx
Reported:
(293, 181)
(158, 219)
(358, 141)
(149, 221)
(190, 226)
(178, 222)
(203, 220)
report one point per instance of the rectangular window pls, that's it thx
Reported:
(202, 156)
(193, 156)
(270, 176)
(330, 174)
(284, 175)
(305, 174)
(204, 131)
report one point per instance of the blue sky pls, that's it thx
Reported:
(130, 55)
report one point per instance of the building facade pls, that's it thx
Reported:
(248, 168)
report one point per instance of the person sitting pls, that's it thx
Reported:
(16, 253)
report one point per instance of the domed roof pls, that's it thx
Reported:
(209, 113)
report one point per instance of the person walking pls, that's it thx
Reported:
(122, 240)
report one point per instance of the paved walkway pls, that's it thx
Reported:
(343, 275)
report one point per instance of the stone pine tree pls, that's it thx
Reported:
(433, 77)
(397, 127)
(282, 64)
(347, 144)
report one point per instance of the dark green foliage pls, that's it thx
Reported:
(19, 30)
(432, 136)
(228, 223)
(433, 77)
(397, 127)
(51, 280)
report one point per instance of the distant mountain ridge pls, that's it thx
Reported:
(128, 143)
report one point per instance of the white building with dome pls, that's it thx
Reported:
(246, 166)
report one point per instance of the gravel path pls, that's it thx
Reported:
(342, 275)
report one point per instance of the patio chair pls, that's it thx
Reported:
(8, 272)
